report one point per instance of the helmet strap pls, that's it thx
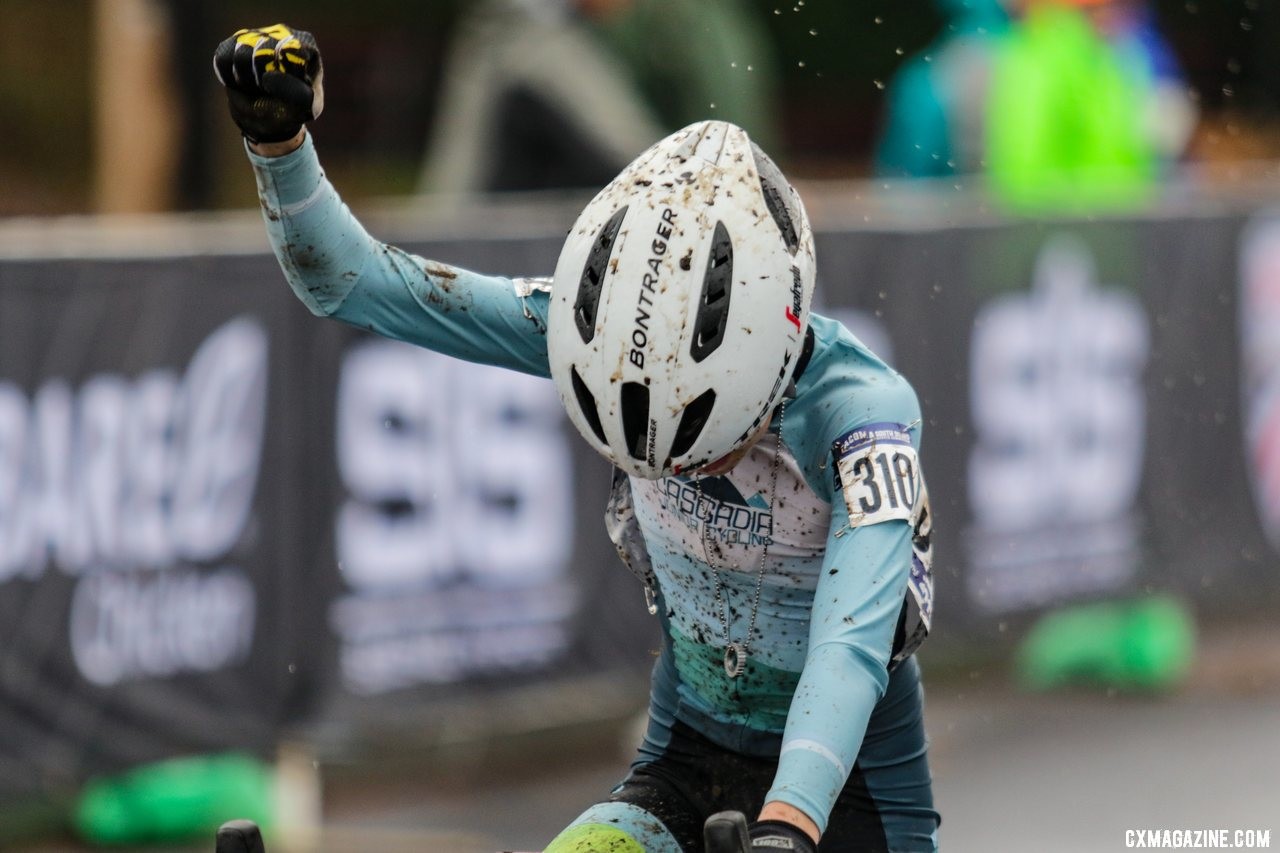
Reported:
(806, 353)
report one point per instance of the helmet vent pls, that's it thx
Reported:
(777, 198)
(635, 418)
(695, 417)
(587, 402)
(589, 287)
(713, 307)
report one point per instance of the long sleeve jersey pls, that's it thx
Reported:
(838, 546)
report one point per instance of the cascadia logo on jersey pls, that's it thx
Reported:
(728, 515)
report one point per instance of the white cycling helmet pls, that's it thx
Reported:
(680, 303)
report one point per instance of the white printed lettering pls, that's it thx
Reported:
(129, 626)
(128, 474)
(1060, 416)
(458, 519)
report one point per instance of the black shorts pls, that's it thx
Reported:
(886, 804)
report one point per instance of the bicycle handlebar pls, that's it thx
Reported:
(726, 832)
(240, 836)
(723, 832)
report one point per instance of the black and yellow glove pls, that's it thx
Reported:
(274, 81)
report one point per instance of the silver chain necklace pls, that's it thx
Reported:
(736, 652)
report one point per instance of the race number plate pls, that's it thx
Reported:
(879, 473)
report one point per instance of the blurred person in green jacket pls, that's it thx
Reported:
(1075, 120)
(1081, 100)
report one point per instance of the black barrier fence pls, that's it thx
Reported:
(221, 517)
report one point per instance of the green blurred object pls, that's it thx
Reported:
(1146, 644)
(1065, 128)
(176, 800)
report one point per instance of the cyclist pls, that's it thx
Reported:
(768, 492)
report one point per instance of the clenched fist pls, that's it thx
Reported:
(274, 81)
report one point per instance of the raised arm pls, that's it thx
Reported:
(332, 263)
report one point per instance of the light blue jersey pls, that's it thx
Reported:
(845, 588)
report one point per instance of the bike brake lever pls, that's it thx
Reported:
(726, 832)
(240, 836)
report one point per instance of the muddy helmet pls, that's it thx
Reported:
(680, 303)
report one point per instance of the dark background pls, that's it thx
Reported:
(384, 61)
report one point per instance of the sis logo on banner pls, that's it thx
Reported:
(1260, 362)
(1059, 414)
(455, 534)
